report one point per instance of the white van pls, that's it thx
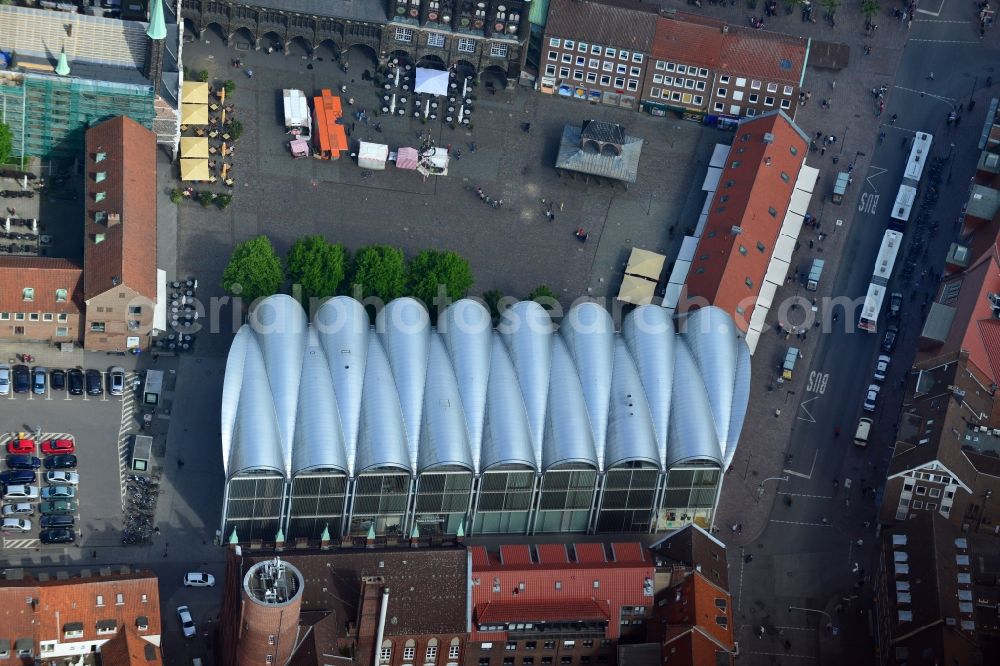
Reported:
(863, 432)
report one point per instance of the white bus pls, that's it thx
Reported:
(880, 281)
(920, 152)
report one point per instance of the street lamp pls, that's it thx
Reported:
(829, 620)
(760, 486)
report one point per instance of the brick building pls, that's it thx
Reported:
(702, 66)
(119, 259)
(936, 594)
(597, 51)
(41, 299)
(547, 604)
(115, 614)
(750, 211)
(407, 606)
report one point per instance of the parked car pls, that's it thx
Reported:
(22, 379)
(889, 341)
(187, 624)
(199, 579)
(62, 478)
(871, 397)
(19, 509)
(116, 380)
(57, 380)
(58, 507)
(22, 446)
(57, 536)
(882, 367)
(4, 379)
(61, 461)
(39, 380)
(22, 461)
(75, 379)
(21, 492)
(93, 378)
(895, 304)
(863, 432)
(51, 446)
(17, 477)
(16, 525)
(58, 492)
(50, 521)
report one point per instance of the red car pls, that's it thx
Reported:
(54, 446)
(23, 446)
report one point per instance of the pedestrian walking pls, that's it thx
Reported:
(822, 151)
(249, 73)
(560, 205)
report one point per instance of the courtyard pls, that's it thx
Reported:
(513, 249)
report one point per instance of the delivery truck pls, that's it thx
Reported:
(298, 121)
(814, 274)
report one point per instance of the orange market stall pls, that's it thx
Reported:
(330, 138)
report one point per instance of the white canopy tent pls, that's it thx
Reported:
(431, 81)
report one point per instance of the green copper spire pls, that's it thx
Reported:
(233, 539)
(461, 530)
(415, 532)
(157, 26)
(62, 67)
(280, 536)
(371, 532)
(325, 536)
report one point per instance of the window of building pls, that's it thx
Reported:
(28, 293)
(485, 646)
(605, 80)
(591, 77)
(581, 61)
(119, 599)
(270, 639)
(553, 55)
(527, 661)
(594, 63)
(761, 247)
(33, 316)
(623, 55)
(719, 107)
(546, 661)
(73, 630)
(753, 98)
(409, 652)
(949, 494)
(508, 661)
(61, 331)
(432, 653)
(932, 506)
(793, 150)
(786, 104)
(689, 84)
(772, 212)
(567, 58)
(657, 78)
(100, 156)
(550, 70)
(404, 35)
(917, 504)
(498, 50)
(610, 52)
(655, 92)
(751, 112)
(787, 90)
(619, 82)
(18, 316)
(577, 75)
(682, 69)
(595, 49)
(721, 92)
(466, 45)
(634, 71)
(5, 316)
(385, 654)
(269, 659)
(633, 84)
(699, 100)
(569, 44)
(549, 645)
(98, 327)
(772, 87)
(755, 85)
(566, 659)
(484, 661)
(607, 66)
(621, 69)
(100, 599)
(62, 317)
(768, 101)
(510, 645)
(453, 649)
(437, 41)
(555, 41)
(100, 176)
(564, 72)
(100, 196)
(723, 79)
(743, 250)
(748, 282)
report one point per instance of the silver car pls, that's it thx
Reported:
(871, 397)
(116, 379)
(19, 509)
(16, 525)
(4, 379)
(882, 367)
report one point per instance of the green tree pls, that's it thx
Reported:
(317, 265)
(432, 268)
(6, 143)
(235, 130)
(869, 8)
(254, 270)
(831, 7)
(379, 270)
(491, 299)
(229, 86)
(544, 297)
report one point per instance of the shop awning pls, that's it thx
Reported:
(160, 307)
(636, 290)
(194, 114)
(194, 146)
(194, 169)
(406, 158)
(431, 81)
(372, 155)
(195, 92)
(644, 263)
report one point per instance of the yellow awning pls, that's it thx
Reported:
(194, 169)
(194, 114)
(636, 290)
(195, 92)
(194, 146)
(645, 264)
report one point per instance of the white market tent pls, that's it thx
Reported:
(431, 81)
(372, 155)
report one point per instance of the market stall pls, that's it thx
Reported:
(194, 92)
(194, 146)
(407, 158)
(193, 169)
(372, 155)
(194, 114)
(431, 82)
(299, 148)
(434, 162)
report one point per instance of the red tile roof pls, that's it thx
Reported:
(127, 253)
(552, 553)
(728, 269)
(623, 24)
(687, 42)
(629, 552)
(480, 558)
(128, 648)
(503, 612)
(513, 554)
(693, 610)
(45, 276)
(592, 553)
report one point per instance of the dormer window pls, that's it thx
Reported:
(100, 196)
(142, 623)
(28, 293)
(100, 176)
(100, 156)
(100, 216)
(61, 295)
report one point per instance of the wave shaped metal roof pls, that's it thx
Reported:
(338, 394)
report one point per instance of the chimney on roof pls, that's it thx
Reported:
(767, 161)
(725, 30)
(768, 137)
(114, 219)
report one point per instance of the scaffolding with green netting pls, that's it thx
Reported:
(48, 116)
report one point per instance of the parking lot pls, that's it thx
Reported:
(96, 424)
